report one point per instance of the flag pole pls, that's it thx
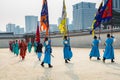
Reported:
(112, 21)
(39, 31)
(111, 27)
(48, 26)
(100, 25)
(67, 30)
(49, 33)
(99, 31)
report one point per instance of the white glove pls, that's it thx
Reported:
(66, 42)
(46, 42)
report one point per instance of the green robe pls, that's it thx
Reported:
(16, 49)
(29, 47)
(35, 46)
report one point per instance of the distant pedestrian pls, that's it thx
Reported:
(23, 48)
(39, 50)
(67, 49)
(13, 47)
(109, 50)
(29, 46)
(48, 51)
(10, 46)
(95, 49)
(35, 46)
(16, 48)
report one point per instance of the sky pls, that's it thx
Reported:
(14, 11)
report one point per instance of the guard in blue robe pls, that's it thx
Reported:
(109, 50)
(29, 46)
(67, 49)
(16, 48)
(95, 49)
(48, 51)
(39, 50)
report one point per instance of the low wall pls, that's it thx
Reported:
(82, 41)
(85, 41)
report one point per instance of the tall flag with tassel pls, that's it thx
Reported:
(37, 37)
(44, 20)
(97, 20)
(104, 15)
(62, 26)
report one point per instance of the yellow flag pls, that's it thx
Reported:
(93, 31)
(62, 25)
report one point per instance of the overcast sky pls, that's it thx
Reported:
(14, 11)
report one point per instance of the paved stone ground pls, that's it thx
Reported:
(80, 67)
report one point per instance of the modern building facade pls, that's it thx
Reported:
(53, 28)
(15, 29)
(116, 5)
(31, 24)
(19, 30)
(83, 15)
(70, 27)
(10, 27)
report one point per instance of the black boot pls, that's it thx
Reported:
(98, 58)
(39, 59)
(50, 66)
(90, 57)
(66, 61)
(112, 61)
(104, 60)
(42, 64)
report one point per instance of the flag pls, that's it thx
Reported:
(97, 20)
(98, 16)
(107, 13)
(93, 31)
(62, 26)
(37, 36)
(44, 20)
(104, 14)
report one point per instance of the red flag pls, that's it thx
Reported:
(108, 10)
(37, 34)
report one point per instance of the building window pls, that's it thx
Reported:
(116, 3)
(113, 4)
(88, 5)
(76, 6)
(119, 4)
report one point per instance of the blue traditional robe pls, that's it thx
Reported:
(95, 49)
(109, 50)
(16, 48)
(48, 51)
(39, 54)
(39, 50)
(67, 49)
(29, 47)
